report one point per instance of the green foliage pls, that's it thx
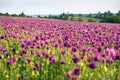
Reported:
(85, 19)
(22, 15)
(7, 14)
(109, 17)
(91, 20)
(99, 17)
(4, 14)
(38, 16)
(13, 15)
(112, 19)
(80, 19)
(64, 16)
(90, 15)
(80, 15)
(118, 13)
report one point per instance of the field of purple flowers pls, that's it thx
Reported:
(42, 49)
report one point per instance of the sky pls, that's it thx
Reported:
(58, 6)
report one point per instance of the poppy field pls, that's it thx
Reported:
(44, 49)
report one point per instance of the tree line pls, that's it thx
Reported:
(107, 16)
(13, 15)
(64, 16)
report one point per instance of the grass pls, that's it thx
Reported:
(85, 19)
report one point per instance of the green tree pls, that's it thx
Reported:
(80, 19)
(45, 16)
(22, 14)
(38, 16)
(6, 14)
(1, 14)
(118, 13)
(14, 15)
(50, 16)
(64, 16)
(71, 16)
(109, 13)
(112, 19)
(80, 15)
(99, 15)
(89, 15)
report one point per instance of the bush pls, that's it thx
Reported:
(91, 20)
(112, 19)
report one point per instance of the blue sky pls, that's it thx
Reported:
(58, 6)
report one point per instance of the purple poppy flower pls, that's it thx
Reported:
(28, 42)
(62, 62)
(76, 71)
(69, 74)
(76, 59)
(47, 55)
(84, 50)
(117, 57)
(23, 52)
(90, 59)
(66, 38)
(53, 60)
(8, 62)
(103, 60)
(92, 65)
(12, 59)
(1, 48)
(32, 51)
(4, 50)
(73, 49)
(97, 58)
(110, 52)
(2, 37)
(66, 44)
(35, 68)
(74, 77)
(38, 46)
(19, 58)
(56, 45)
(1, 56)
(7, 53)
(36, 37)
(63, 52)
(82, 57)
(75, 54)
(31, 46)
(23, 45)
(37, 65)
(29, 59)
(39, 54)
(110, 61)
(103, 55)
(13, 50)
(99, 49)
